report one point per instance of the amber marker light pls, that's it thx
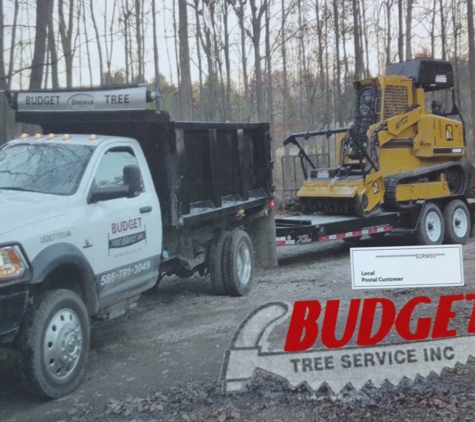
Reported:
(93, 137)
(38, 136)
(51, 137)
(24, 136)
(12, 264)
(66, 137)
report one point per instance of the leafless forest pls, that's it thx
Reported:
(288, 62)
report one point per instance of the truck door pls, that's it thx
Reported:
(126, 225)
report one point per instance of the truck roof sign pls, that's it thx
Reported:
(93, 100)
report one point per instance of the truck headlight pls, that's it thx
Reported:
(12, 263)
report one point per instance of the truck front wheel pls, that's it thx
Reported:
(239, 264)
(55, 344)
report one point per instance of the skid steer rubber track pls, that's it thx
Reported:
(431, 173)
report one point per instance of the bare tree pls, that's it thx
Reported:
(12, 44)
(255, 35)
(400, 38)
(3, 83)
(186, 106)
(336, 26)
(227, 61)
(356, 40)
(139, 38)
(471, 59)
(98, 42)
(239, 6)
(270, 88)
(66, 32)
(443, 37)
(155, 46)
(198, 47)
(409, 29)
(43, 9)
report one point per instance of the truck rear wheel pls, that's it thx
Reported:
(430, 230)
(457, 222)
(55, 344)
(216, 262)
(239, 264)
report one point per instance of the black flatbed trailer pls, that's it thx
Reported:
(303, 229)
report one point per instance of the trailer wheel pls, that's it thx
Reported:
(239, 264)
(457, 222)
(55, 344)
(216, 262)
(430, 230)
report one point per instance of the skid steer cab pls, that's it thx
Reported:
(400, 165)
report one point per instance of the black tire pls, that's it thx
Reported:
(60, 320)
(216, 262)
(430, 230)
(239, 264)
(457, 222)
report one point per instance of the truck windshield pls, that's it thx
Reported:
(54, 169)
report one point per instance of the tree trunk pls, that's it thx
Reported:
(98, 41)
(66, 39)
(12, 44)
(356, 40)
(400, 38)
(432, 31)
(200, 65)
(3, 84)
(43, 10)
(256, 19)
(338, 62)
(53, 53)
(456, 29)
(138, 29)
(88, 52)
(239, 10)
(227, 60)
(471, 62)
(186, 106)
(364, 27)
(388, 39)
(285, 87)
(270, 88)
(409, 30)
(176, 42)
(443, 36)
(155, 46)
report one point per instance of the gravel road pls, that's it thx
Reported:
(162, 360)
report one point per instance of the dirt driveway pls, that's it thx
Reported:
(162, 360)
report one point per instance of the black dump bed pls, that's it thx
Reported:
(201, 170)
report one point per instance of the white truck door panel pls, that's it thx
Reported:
(126, 231)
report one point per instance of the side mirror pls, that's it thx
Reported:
(133, 180)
